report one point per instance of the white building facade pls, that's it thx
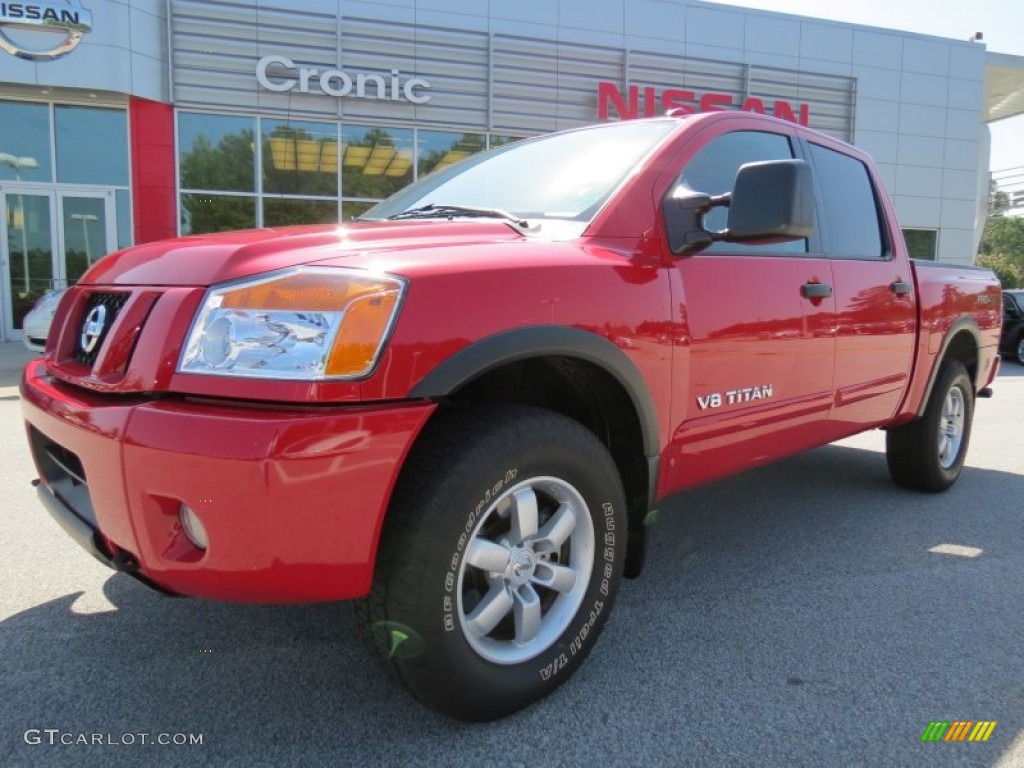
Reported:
(141, 119)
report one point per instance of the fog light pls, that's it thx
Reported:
(192, 526)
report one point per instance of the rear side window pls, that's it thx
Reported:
(851, 212)
(713, 171)
(1010, 308)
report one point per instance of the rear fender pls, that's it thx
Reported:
(960, 326)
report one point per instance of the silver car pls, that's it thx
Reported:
(36, 324)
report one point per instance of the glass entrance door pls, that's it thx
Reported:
(48, 239)
(29, 238)
(87, 232)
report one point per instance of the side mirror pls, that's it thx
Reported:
(684, 210)
(773, 199)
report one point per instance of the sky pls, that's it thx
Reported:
(1000, 21)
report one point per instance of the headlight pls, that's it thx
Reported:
(307, 323)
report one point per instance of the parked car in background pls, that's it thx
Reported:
(1011, 343)
(36, 324)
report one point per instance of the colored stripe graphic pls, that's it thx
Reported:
(958, 730)
(982, 730)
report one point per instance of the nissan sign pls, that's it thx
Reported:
(69, 18)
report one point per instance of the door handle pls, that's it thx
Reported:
(901, 288)
(815, 290)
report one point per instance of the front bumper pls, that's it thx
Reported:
(292, 498)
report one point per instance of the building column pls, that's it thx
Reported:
(154, 195)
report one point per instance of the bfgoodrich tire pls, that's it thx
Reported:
(928, 454)
(499, 562)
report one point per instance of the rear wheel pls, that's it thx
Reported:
(1020, 349)
(928, 454)
(499, 562)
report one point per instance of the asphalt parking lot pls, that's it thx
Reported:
(794, 615)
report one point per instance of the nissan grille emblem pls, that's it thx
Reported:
(92, 329)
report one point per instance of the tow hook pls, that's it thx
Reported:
(125, 562)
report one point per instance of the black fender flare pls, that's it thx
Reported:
(958, 326)
(499, 349)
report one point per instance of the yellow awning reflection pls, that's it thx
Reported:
(356, 156)
(452, 157)
(306, 155)
(322, 156)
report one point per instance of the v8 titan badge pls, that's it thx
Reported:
(68, 17)
(734, 396)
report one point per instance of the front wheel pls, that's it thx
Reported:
(928, 454)
(499, 562)
(1020, 349)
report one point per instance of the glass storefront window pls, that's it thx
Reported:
(500, 141)
(216, 152)
(921, 243)
(301, 163)
(300, 158)
(202, 213)
(92, 145)
(377, 161)
(282, 212)
(25, 142)
(439, 149)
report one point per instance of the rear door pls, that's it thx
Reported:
(753, 366)
(875, 305)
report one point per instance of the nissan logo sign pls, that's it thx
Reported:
(69, 18)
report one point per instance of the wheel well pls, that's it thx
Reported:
(964, 347)
(586, 393)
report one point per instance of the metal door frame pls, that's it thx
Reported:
(110, 212)
(57, 193)
(7, 330)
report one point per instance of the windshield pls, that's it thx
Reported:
(564, 176)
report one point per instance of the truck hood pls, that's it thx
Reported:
(209, 259)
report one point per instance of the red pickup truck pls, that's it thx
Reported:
(461, 410)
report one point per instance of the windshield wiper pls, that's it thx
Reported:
(451, 211)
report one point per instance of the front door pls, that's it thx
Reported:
(754, 376)
(48, 238)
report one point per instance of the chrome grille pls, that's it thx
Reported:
(112, 303)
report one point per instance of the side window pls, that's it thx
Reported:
(851, 214)
(713, 171)
(1010, 310)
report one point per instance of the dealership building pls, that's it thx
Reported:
(125, 121)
